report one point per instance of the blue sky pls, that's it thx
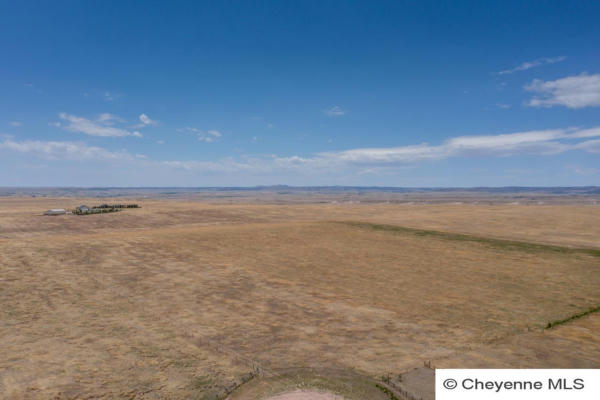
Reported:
(399, 93)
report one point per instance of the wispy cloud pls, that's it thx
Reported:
(532, 64)
(111, 96)
(16, 124)
(57, 150)
(572, 92)
(109, 119)
(545, 142)
(33, 87)
(146, 121)
(334, 111)
(582, 170)
(503, 106)
(541, 143)
(222, 165)
(209, 136)
(102, 126)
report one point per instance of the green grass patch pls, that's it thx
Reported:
(497, 243)
(572, 317)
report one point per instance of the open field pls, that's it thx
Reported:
(181, 299)
(565, 225)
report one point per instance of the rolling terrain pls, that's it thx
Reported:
(185, 299)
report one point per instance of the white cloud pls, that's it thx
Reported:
(208, 136)
(591, 146)
(223, 165)
(582, 170)
(109, 119)
(160, 142)
(541, 143)
(55, 150)
(100, 127)
(503, 106)
(532, 64)
(572, 92)
(16, 124)
(544, 142)
(334, 111)
(189, 129)
(145, 120)
(33, 87)
(108, 96)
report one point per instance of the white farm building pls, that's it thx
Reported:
(56, 211)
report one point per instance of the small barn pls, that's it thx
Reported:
(56, 211)
(83, 209)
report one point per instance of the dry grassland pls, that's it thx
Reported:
(181, 299)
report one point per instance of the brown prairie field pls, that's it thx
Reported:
(182, 299)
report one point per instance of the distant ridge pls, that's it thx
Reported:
(283, 189)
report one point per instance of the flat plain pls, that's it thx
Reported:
(185, 298)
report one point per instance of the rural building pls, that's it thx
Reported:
(56, 211)
(83, 209)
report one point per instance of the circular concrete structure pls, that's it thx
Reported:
(306, 395)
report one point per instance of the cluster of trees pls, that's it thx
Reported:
(118, 206)
(95, 210)
(104, 208)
